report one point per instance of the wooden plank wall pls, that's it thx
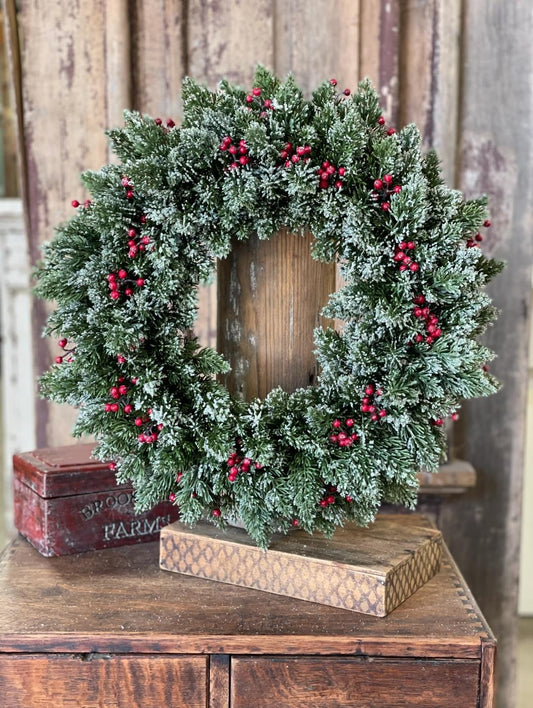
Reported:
(461, 68)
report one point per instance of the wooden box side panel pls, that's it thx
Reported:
(278, 573)
(44, 680)
(407, 578)
(86, 522)
(264, 682)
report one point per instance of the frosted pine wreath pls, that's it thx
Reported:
(124, 274)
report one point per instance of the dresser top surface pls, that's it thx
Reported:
(119, 600)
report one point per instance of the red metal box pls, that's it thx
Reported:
(67, 502)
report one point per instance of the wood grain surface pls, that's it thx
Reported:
(270, 294)
(315, 683)
(91, 681)
(117, 600)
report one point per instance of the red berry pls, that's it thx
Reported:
(354, 436)
(438, 422)
(158, 121)
(295, 158)
(333, 438)
(143, 219)
(348, 498)
(112, 466)
(249, 98)
(419, 300)
(256, 91)
(114, 407)
(128, 408)
(378, 184)
(391, 131)
(323, 503)
(342, 436)
(267, 103)
(132, 233)
(331, 499)
(382, 413)
(172, 497)
(349, 422)
(125, 182)
(381, 120)
(62, 343)
(369, 390)
(257, 465)
(323, 184)
(123, 390)
(134, 381)
(414, 267)
(138, 422)
(403, 268)
(385, 206)
(419, 338)
(121, 359)
(338, 184)
(129, 194)
(140, 282)
(114, 295)
(397, 189)
(388, 179)
(336, 423)
(178, 477)
(333, 82)
(128, 292)
(478, 237)
(347, 92)
(216, 512)
(122, 274)
(455, 416)
(107, 407)
(75, 203)
(59, 360)
(342, 171)
(486, 223)
(374, 417)
(295, 522)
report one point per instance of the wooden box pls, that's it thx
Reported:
(111, 629)
(370, 570)
(67, 502)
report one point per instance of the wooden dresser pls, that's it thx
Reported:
(108, 628)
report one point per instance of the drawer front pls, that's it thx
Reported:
(101, 681)
(268, 682)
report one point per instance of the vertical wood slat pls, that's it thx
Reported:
(158, 55)
(429, 74)
(379, 43)
(496, 157)
(317, 40)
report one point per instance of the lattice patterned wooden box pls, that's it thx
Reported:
(369, 570)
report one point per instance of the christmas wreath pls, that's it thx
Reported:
(124, 273)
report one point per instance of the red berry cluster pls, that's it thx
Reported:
(150, 429)
(471, 242)
(239, 154)
(370, 405)
(383, 189)
(68, 356)
(86, 204)
(128, 186)
(346, 91)
(293, 157)
(119, 284)
(255, 99)
(237, 463)
(382, 121)
(119, 393)
(327, 173)
(430, 320)
(343, 436)
(403, 258)
(329, 499)
(137, 243)
(169, 124)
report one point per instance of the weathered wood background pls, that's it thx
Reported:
(461, 68)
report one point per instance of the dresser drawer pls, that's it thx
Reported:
(265, 682)
(102, 681)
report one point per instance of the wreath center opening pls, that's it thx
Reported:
(270, 294)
